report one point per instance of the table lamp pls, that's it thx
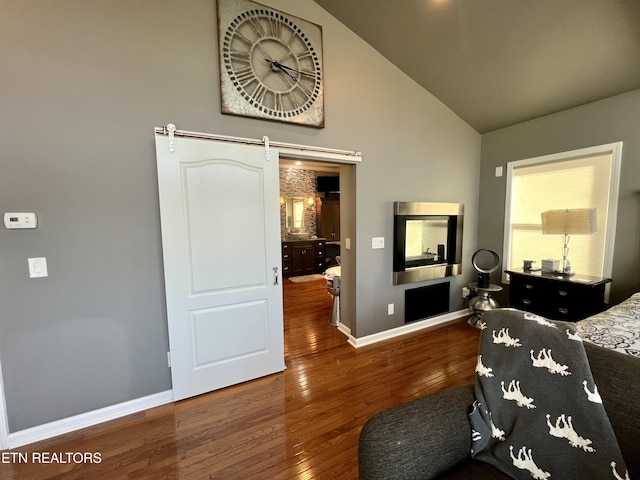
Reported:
(577, 221)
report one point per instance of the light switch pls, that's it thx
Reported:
(377, 242)
(347, 244)
(498, 171)
(38, 267)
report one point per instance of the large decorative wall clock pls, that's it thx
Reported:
(270, 64)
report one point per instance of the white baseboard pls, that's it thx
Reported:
(408, 328)
(66, 425)
(344, 329)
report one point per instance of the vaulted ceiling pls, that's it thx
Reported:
(501, 62)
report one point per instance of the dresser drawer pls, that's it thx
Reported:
(524, 289)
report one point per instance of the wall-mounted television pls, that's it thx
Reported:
(328, 184)
(427, 241)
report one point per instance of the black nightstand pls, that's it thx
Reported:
(557, 297)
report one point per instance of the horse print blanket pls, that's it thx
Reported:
(537, 412)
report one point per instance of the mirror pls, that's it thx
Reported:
(426, 241)
(294, 212)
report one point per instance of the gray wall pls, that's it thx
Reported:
(610, 120)
(83, 85)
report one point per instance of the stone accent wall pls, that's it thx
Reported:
(296, 182)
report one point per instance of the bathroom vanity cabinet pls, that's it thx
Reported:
(303, 257)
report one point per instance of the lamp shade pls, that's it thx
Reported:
(578, 221)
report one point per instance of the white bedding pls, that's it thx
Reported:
(617, 328)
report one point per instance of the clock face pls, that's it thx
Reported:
(271, 65)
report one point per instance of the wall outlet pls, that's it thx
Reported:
(390, 309)
(465, 292)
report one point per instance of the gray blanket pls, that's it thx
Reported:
(537, 412)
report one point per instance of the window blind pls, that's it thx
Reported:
(574, 183)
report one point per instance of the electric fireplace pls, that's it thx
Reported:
(427, 241)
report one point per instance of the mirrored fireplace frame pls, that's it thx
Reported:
(448, 266)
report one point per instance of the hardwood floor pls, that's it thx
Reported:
(303, 423)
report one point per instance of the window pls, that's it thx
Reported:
(584, 178)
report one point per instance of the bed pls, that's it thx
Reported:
(617, 328)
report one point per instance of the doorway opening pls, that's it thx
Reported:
(314, 202)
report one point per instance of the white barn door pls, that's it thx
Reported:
(220, 216)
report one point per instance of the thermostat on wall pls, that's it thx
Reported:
(20, 220)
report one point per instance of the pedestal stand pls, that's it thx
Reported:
(334, 290)
(332, 276)
(483, 302)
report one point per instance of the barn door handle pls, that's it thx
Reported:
(275, 275)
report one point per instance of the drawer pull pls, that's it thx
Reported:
(528, 286)
(563, 293)
(526, 301)
(563, 311)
